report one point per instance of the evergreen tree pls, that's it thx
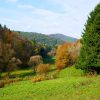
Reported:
(89, 58)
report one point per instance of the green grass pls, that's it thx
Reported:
(21, 73)
(71, 85)
(71, 72)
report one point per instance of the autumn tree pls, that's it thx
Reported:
(63, 56)
(74, 52)
(24, 49)
(7, 51)
(13, 65)
(67, 54)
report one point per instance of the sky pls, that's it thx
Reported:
(46, 16)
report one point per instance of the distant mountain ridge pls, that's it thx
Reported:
(49, 40)
(41, 38)
(63, 37)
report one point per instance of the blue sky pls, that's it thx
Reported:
(47, 16)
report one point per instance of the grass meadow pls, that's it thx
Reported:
(71, 84)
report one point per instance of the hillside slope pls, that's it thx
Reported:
(69, 86)
(63, 37)
(50, 40)
(42, 38)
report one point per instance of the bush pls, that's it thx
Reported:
(13, 65)
(43, 68)
(38, 78)
(9, 81)
(91, 73)
(60, 65)
(2, 84)
(55, 75)
(35, 61)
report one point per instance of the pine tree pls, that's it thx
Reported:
(89, 58)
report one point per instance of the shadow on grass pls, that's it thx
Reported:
(52, 70)
(26, 74)
(49, 60)
(23, 75)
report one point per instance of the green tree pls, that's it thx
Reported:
(89, 58)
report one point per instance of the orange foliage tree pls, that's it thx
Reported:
(67, 54)
(62, 56)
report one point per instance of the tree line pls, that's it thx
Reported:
(15, 50)
(85, 53)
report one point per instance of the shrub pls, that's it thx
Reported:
(43, 68)
(2, 84)
(91, 74)
(38, 78)
(55, 75)
(82, 83)
(13, 65)
(9, 81)
(35, 61)
(60, 65)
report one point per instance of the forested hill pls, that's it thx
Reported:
(50, 40)
(42, 38)
(63, 37)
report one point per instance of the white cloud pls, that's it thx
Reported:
(47, 21)
(37, 11)
(69, 22)
(43, 21)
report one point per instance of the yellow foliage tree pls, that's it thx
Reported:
(63, 56)
(67, 54)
